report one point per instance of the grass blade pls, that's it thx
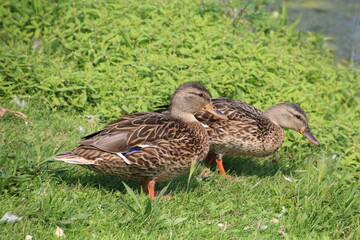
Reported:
(132, 194)
(128, 206)
(192, 170)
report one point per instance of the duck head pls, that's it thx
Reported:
(291, 116)
(191, 98)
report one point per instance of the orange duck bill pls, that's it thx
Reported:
(309, 136)
(213, 111)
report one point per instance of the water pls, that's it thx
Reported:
(338, 19)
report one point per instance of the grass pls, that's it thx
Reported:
(321, 202)
(79, 64)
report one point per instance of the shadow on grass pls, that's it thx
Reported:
(235, 166)
(76, 175)
(251, 166)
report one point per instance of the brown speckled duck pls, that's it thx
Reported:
(250, 132)
(150, 147)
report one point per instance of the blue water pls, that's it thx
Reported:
(338, 19)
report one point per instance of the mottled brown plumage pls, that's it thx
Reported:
(149, 146)
(250, 132)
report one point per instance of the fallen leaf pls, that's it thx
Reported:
(8, 217)
(256, 184)
(263, 227)
(81, 129)
(221, 225)
(59, 232)
(283, 210)
(274, 220)
(3, 111)
(290, 179)
(275, 14)
(20, 102)
(282, 233)
(246, 228)
(28, 237)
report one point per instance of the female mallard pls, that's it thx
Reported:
(250, 132)
(150, 147)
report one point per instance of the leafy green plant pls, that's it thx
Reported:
(138, 209)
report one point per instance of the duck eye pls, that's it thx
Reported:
(201, 94)
(298, 116)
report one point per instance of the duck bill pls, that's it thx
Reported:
(309, 136)
(216, 113)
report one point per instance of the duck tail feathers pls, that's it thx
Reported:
(73, 158)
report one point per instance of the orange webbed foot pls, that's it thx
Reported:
(149, 188)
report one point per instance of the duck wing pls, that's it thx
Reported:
(133, 130)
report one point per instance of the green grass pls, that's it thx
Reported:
(323, 202)
(105, 60)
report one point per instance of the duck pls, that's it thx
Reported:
(249, 131)
(150, 147)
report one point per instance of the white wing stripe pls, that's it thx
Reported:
(124, 158)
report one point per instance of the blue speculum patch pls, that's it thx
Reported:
(137, 148)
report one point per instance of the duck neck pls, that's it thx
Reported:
(275, 116)
(276, 119)
(182, 116)
(274, 135)
(272, 117)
